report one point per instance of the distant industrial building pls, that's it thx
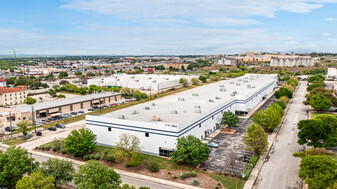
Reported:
(289, 62)
(226, 61)
(141, 81)
(332, 73)
(196, 112)
(3, 83)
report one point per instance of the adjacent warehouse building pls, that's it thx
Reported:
(67, 105)
(196, 112)
(141, 81)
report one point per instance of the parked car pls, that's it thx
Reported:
(48, 120)
(91, 109)
(59, 125)
(243, 158)
(52, 128)
(81, 112)
(213, 144)
(114, 104)
(73, 113)
(10, 129)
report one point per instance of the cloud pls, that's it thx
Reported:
(325, 34)
(227, 21)
(332, 39)
(193, 9)
(292, 43)
(331, 19)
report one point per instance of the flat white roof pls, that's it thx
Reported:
(180, 107)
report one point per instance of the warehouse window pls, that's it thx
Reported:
(202, 136)
(200, 125)
(164, 152)
(109, 128)
(147, 134)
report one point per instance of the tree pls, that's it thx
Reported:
(45, 85)
(63, 75)
(129, 144)
(190, 150)
(320, 102)
(277, 108)
(319, 132)
(190, 67)
(255, 139)
(315, 78)
(30, 100)
(64, 82)
(24, 126)
(283, 92)
(61, 170)
(78, 73)
(61, 96)
(40, 98)
(80, 141)
(94, 175)
(268, 118)
(229, 119)
(52, 92)
(36, 180)
(318, 171)
(195, 81)
(316, 85)
(214, 78)
(284, 99)
(183, 82)
(89, 74)
(203, 78)
(14, 163)
(139, 95)
(322, 91)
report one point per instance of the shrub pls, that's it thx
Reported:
(175, 177)
(47, 147)
(39, 133)
(110, 158)
(205, 169)
(193, 173)
(168, 173)
(195, 182)
(135, 160)
(187, 174)
(254, 159)
(153, 166)
(217, 187)
(42, 148)
(54, 148)
(91, 156)
(97, 156)
(86, 157)
(182, 175)
(28, 136)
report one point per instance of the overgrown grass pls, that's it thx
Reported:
(228, 182)
(14, 141)
(332, 156)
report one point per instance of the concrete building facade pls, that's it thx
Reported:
(196, 112)
(12, 96)
(289, 62)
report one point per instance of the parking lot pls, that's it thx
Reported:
(232, 148)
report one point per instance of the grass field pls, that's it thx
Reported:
(315, 114)
(14, 141)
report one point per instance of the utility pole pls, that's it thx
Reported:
(158, 90)
(33, 118)
(14, 57)
(10, 123)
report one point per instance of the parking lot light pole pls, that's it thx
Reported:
(236, 177)
(10, 123)
(31, 163)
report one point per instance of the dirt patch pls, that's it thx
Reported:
(228, 131)
(166, 174)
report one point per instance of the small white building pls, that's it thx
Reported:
(196, 112)
(3, 83)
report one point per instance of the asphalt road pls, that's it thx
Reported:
(281, 170)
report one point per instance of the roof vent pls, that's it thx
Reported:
(249, 86)
(136, 80)
(232, 94)
(251, 78)
(197, 111)
(134, 112)
(222, 85)
(195, 94)
(150, 78)
(154, 81)
(166, 78)
(245, 81)
(121, 117)
(181, 99)
(235, 92)
(210, 100)
(117, 79)
(197, 106)
(174, 112)
(153, 104)
(218, 98)
(147, 108)
(132, 77)
(223, 89)
(238, 84)
(232, 82)
(239, 79)
(246, 77)
(253, 87)
(155, 118)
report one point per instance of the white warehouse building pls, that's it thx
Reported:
(196, 112)
(140, 81)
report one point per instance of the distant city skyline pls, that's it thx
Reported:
(166, 27)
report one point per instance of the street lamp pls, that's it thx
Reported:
(31, 163)
(236, 176)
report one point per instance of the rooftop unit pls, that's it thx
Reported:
(174, 112)
(147, 108)
(121, 117)
(197, 111)
(134, 112)
(181, 99)
(197, 106)
(155, 118)
(195, 94)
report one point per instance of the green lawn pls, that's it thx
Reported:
(228, 182)
(14, 141)
(314, 114)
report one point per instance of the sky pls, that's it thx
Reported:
(166, 27)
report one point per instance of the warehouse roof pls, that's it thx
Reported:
(65, 101)
(190, 104)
